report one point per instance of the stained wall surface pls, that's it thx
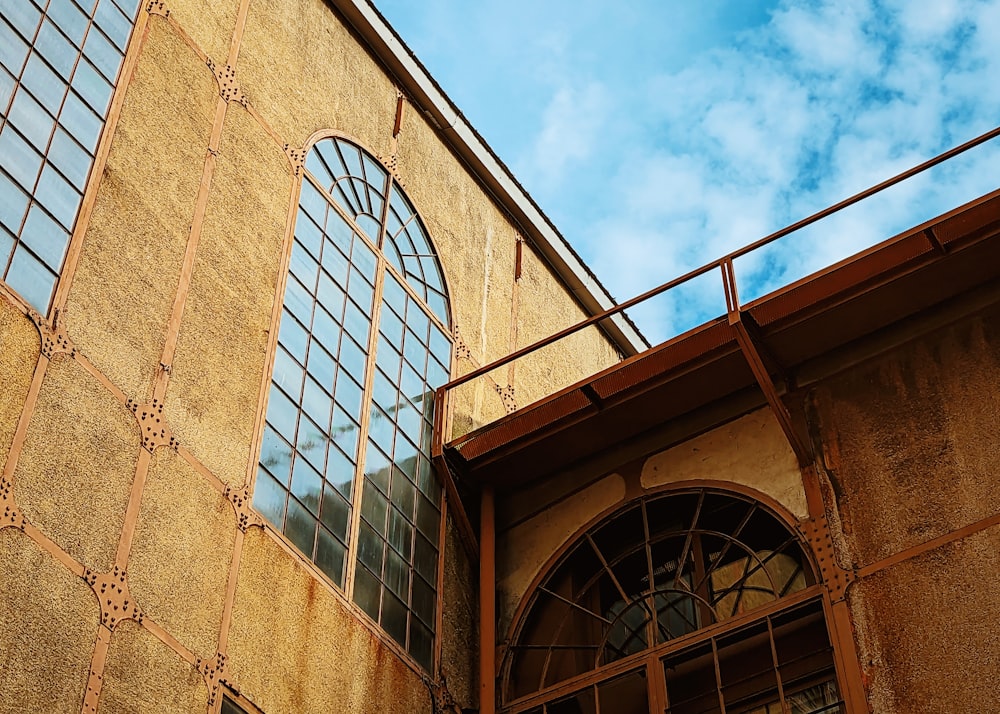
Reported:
(912, 456)
(137, 576)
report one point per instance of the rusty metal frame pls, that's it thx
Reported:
(780, 513)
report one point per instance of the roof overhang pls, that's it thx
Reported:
(703, 378)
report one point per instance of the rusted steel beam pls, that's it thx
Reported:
(487, 603)
(752, 353)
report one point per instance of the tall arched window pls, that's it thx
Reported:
(363, 342)
(688, 602)
(59, 63)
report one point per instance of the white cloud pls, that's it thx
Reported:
(826, 100)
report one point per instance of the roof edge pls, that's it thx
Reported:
(425, 93)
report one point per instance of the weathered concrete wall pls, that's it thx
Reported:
(912, 446)
(169, 308)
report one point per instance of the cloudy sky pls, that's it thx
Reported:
(660, 134)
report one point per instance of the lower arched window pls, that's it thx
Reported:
(685, 603)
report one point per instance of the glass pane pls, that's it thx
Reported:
(56, 49)
(90, 85)
(287, 372)
(400, 533)
(423, 600)
(58, 196)
(31, 279)
(81, 122)
(330, 554)
(42, 82)
(349, 394)
(292, 336)
(282, 414)
(329, 294)
(394, 617)
(370, 547)
(13, 203)
(397, 574)
(13, 49)
(6, 248)
(421, 643)
(377, 467)
(340, 470)
(68, 16)
(401, 493)
(308, 234)
(300, 527)
(345, 432)
(269, 498)
(374, 506)
(276, 455)
(428, 519)
(99, 50)
(336, 513)
(307, 485)
(70, 158)
(114, 23)
(317, 403)
(304, 266)
(425, 558)
(32, 121)
(367, 591)
(19, 160)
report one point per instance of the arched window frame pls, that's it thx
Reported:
(609, 679)
(59, 69)
(401, 301)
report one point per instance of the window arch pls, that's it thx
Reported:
(363, 342)
(684, 602)
(59, 63)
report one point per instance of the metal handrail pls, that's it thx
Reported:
(719, 263)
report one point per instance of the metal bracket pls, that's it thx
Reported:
(507, 397)
(214, 671)
(54, 338)
(816, 531)
(245, 515)
(155, 7)
(152, 429)
(10, 514)
(113, 596)
(297, 157)
(229, 89)
(462, 350)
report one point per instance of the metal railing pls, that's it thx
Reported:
(723, 264)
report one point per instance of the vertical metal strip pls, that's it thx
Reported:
(487, 603)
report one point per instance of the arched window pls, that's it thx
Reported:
(59, 63)
(687, 602)
(363, 342)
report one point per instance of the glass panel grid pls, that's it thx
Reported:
(58, 70)
(664, 569)
(318, 390)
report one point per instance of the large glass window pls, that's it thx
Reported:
(59, 63)
(683, 603)
(363, 342)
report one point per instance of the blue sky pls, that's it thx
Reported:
(659, 135)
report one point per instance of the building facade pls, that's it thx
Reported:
(245, 246)
(242, 245)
